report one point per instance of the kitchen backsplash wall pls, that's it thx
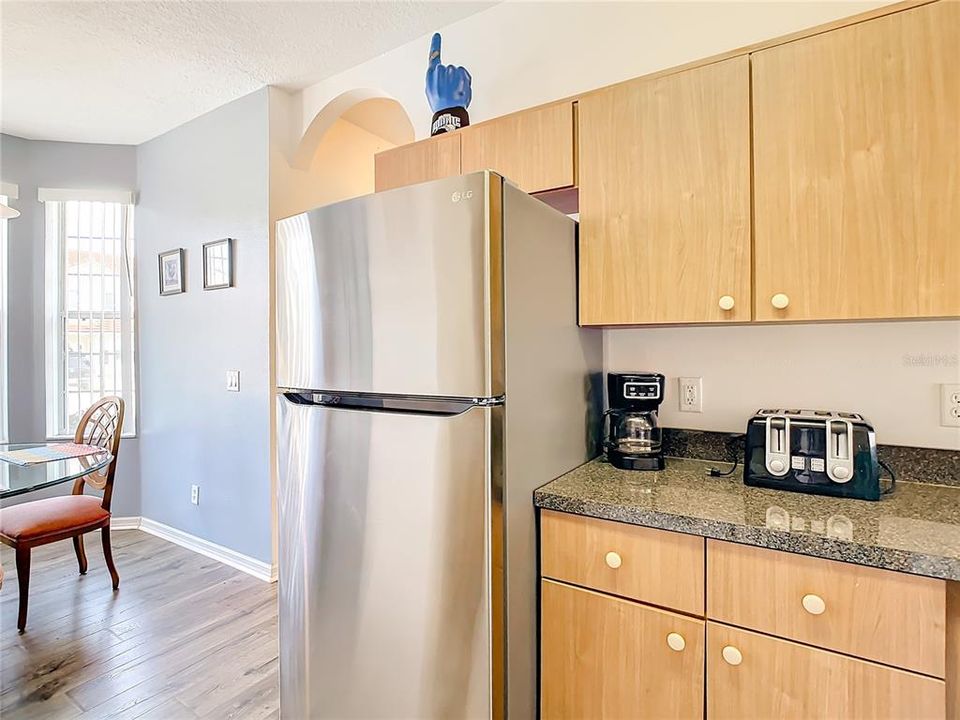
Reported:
(889, 371)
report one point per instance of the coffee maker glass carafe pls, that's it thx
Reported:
(637, 432)
(634, 438)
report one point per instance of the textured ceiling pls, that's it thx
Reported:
(124, 72)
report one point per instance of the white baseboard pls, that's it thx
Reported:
(124, 523)
(257, 568)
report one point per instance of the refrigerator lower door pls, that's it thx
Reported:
(385, 562)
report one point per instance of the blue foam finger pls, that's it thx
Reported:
(446, 86)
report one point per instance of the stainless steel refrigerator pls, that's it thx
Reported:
(431, 374)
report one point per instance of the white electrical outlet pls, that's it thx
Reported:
(195, 494)
(691, 394)
(233, 381)
(950, 405)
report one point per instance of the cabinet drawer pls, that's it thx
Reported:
(654, 566)
(890, 617)
(781, 679)
(604, 657)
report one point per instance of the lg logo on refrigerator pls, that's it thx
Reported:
(458, 196)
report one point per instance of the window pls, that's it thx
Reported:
(90, 309)
(4, 429)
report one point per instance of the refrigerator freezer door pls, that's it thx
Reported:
(385, 584)
(393, 293)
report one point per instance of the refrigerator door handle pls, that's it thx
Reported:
(366, 402)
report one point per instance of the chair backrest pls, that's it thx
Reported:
(101, 425)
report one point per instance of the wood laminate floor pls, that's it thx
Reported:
(184, 636)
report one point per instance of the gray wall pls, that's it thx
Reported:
(32, 164)
(206, 180)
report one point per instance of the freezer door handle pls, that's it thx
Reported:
(419, 405)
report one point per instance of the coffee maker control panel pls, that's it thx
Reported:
(642, 390)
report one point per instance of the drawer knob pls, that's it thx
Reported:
(731, 655)
(780, 301)
(676, 641)
(613, 560)
(814, 604)
(726, 303)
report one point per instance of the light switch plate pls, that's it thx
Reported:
(233, 381)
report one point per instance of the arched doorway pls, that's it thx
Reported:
(371, 110)
(333, 160)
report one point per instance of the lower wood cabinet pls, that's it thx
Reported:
(755, 676)
(625, 633)
(604, 657)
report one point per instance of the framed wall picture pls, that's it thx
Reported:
(218, 264)
(171, 272)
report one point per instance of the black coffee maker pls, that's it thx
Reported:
(633, 436)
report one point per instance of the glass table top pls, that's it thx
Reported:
(17, 479)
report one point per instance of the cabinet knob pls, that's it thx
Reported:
(613, 560)
(814, 604)
(780, 301)
(732, 655)
(676, 641)
(726, 303)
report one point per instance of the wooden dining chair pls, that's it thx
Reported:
(24, 527)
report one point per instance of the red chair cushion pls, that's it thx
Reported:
(52, 516)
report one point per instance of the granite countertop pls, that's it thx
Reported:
(915, 530)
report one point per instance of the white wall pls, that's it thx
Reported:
(206, 180)
(32, 164)
(889, 371)
(522, 54)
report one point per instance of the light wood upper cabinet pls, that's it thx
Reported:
(756, 676)
(665, 198)
(418, 162)
(534, 148)
(856, 150)
(603, 657)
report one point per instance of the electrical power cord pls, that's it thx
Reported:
(715, 472)
(893, 478)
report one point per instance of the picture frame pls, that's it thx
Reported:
(171, 275)
(218, 264)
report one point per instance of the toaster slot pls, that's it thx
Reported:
(777, 450)
(839, 450)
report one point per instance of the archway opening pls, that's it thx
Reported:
(334, 159)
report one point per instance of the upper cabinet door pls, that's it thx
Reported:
(533, 149)
(856, 152)
(418, 162)
(665, 199)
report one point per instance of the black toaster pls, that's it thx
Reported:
(813, 451)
